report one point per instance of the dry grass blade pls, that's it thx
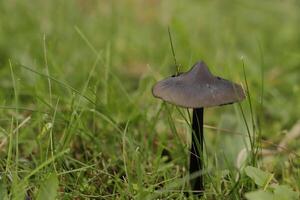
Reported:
(290, 136)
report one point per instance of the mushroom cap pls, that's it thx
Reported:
(198, 88)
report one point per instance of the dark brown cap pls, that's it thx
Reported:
(198, 88)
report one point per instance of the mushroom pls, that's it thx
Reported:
(197, 89)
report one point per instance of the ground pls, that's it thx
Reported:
(78, 119)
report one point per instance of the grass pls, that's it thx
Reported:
(78, 117)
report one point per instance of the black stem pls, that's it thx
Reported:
(196, 156)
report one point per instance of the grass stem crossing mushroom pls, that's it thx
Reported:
(197, 89)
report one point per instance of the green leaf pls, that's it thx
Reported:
(284, 192)
(48, 188)
(3, 190)
(261, 178)
(19, 188)
(259, 195)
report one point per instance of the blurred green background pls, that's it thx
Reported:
(103, 58)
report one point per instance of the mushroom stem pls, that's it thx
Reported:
(196, 156)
